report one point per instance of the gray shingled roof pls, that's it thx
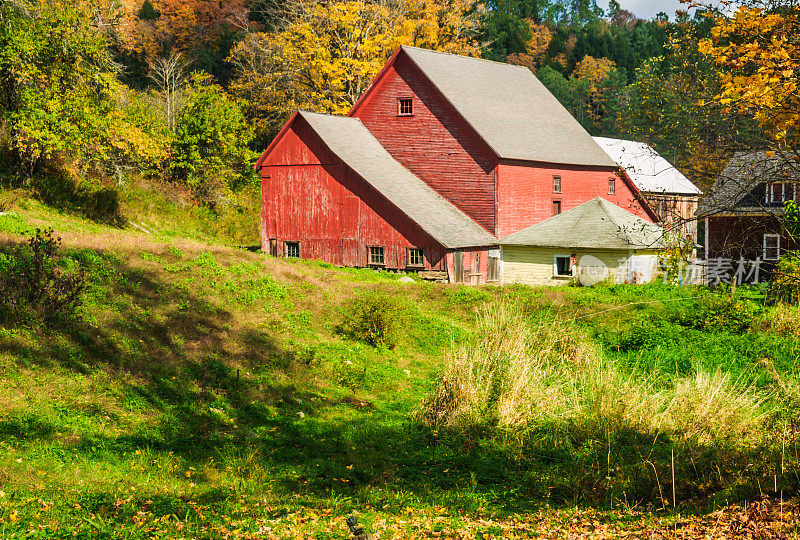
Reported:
(648, 170)
(596, 224)
(740, 186)
(510, 109)
(349, 139)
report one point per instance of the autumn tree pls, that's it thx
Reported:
(757, 54)
(535, 48)
(670, 106)
(325, 54)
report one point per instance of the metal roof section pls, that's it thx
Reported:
(648, 170)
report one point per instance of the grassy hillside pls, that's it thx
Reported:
(208, 391)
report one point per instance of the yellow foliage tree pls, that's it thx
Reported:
(326, 53)
(594, 70)
(535, 48)
(758, 54)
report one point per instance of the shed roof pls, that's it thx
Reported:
(648, 170)
(349, 139)
(740, 187)
(510, 109)
(596, 224)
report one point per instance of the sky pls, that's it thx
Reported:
(647, 9)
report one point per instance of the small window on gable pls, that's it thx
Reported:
(562, 265)
(556, 207)
(556, 184)
(772, 247)
(376, 256)
(291, 249)
(612, 186)
(405, 107)
(780, 192)
(415, 257)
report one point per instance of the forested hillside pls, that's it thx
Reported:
(190, 91)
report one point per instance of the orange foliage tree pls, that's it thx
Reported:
(535, 48)
(156, 27)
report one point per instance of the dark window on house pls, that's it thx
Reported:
(405, 106)
(291, 249)
(556, 184)
(562, 265)
(780, 192)
(772, 247)
(415, 257)
(612, 186)
(376, 255)
(556, 207)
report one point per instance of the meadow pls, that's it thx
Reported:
(206, 390)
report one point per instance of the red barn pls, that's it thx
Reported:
(441, 156)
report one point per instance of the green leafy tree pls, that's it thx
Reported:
(55, 74)
(210, 151)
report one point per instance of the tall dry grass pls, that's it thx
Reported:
(517, 374)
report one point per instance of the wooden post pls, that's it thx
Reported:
(673, 478)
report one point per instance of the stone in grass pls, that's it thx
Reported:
(406, 279)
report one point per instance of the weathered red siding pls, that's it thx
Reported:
(309, 195)
(435, 143)
(525, 192)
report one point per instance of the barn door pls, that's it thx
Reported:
(273, 247)
(475, 268)
(458, 266)
(348, 229)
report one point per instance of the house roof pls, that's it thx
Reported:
(740, 188)
(596, 224)
(350, 140)
(510, 109)
(648, 170)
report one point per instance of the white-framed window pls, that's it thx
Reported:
(780, 192)
(562, 265)
(376, 255)
(772, 247)
(291, 249)
(415, 258)
(405, 107)
(556, 183)
(612, 186)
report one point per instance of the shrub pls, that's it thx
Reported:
(781, 319)
(718, 311)
(785, 284)
(372, 319)
(33, 287)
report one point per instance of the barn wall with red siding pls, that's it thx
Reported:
(310, 196)
(525, 192)
(436, 144)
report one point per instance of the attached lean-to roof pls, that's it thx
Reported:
(650, 172)
(510, 109)
(350, 140)
(596, 224)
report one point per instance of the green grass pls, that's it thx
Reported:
(205, 391)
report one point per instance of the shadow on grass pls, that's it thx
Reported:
(189, 359)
